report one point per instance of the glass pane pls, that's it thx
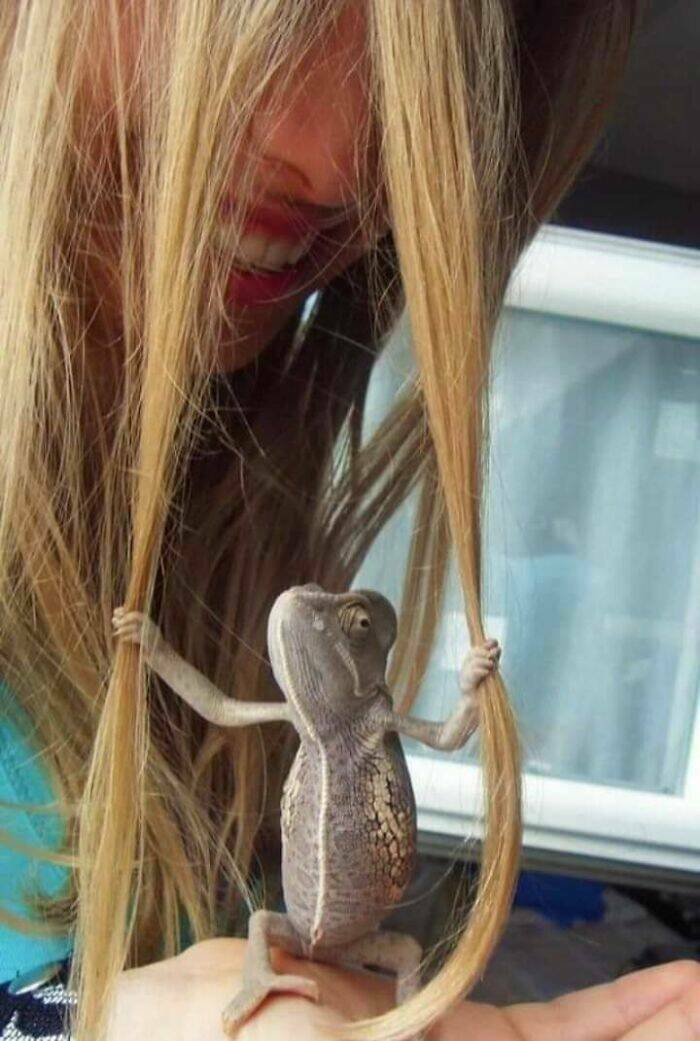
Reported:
(592, 546)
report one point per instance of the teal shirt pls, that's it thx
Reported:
(22, 779)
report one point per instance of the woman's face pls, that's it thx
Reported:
(305, 161)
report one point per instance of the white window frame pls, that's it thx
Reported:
(641, 285)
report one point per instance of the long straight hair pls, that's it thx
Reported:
(131, 473)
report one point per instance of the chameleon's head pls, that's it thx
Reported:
(330, 648)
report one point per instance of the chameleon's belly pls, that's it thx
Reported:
(349, 842)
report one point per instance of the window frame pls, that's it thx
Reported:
(635, 284)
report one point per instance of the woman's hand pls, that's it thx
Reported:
(181, 999)
(659, 1004)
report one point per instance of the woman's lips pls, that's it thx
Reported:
(293, 226)
(251, 288)
(315, 268)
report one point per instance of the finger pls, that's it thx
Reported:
(483, 665)
(125, 620)
(609, 1011)
(679, 1021)
(133, 616)
(125, 629)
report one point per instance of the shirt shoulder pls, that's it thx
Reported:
(23, 779)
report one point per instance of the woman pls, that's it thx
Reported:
(174, 438)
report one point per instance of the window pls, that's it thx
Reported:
(592, 546)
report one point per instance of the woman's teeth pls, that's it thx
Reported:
(260, 251)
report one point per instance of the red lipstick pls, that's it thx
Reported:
(257, 286)
(261, 287)
(292, 226)
(275, 224)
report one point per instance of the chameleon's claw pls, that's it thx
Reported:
(481, 660)
(252, 994)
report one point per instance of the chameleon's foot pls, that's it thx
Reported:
(385, 950)
(253, 993)
(481, 660)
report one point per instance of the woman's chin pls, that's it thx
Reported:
(256, 328)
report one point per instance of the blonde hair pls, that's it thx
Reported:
(130, 474)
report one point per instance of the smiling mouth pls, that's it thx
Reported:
(251, 285)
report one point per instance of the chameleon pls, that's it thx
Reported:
(348, 814)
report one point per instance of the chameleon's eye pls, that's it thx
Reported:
(354, 620)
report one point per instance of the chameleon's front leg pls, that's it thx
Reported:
(191, 685)
(454, 732)
(259, 979)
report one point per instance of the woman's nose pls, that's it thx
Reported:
(307, 138)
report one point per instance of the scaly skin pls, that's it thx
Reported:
(348, 811)
(348, 831)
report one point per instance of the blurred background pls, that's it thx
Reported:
(592, 559)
